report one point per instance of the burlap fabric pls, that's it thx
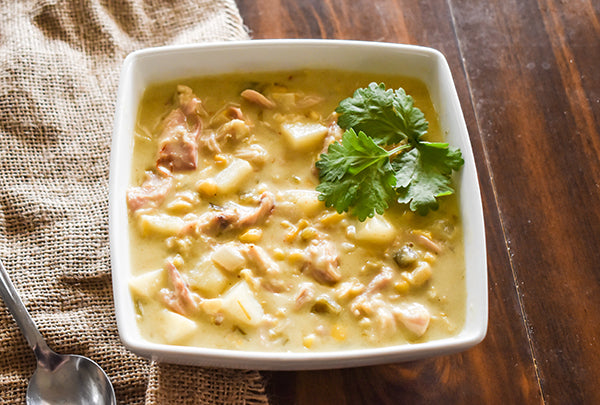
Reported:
(59, 68)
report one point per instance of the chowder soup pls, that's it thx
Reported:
(231, 247)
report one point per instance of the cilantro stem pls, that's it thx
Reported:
(398, 149)
(376, 159)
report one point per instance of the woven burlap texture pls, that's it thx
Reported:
(59, 70)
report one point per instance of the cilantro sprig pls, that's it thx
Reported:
(382, 157)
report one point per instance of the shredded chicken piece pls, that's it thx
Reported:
(235, 129)
(257, 98)
(230, 131)
(235, 112)
(350, 289)
(255, 154)
(271, 330)
(378, 310)
(385, 321)
(267, 267)
(309, 101)
(208, 141)
(262, 259)
(334, 133)
(367, 303)
(232, 217)
(151, 193)
(190, 104)
(177, 145)
(361, 306)
(180, 299)
(265, 207)
(305, 295)
(210, 223)
(380, 281)
(415, 317)
(427, 243)
(322, 262)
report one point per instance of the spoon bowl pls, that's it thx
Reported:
(54, 382)
(58, 379)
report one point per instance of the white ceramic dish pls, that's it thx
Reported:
(169, 63)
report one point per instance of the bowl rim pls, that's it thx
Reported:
(468, 337)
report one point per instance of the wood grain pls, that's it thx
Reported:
(502, 368)
(533, 72)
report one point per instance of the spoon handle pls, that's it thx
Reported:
(12, 300)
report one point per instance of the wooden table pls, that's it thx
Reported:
(528, 76)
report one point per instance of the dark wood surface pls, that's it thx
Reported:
(528, 76)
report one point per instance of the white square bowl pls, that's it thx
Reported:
(150, 66)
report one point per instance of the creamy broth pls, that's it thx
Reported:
(234, 250)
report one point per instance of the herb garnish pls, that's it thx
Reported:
(382, 157)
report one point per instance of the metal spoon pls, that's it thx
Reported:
(59, 379)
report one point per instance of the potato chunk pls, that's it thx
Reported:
(233, 176)
(303, 136)
(229, 257)
(240, 305)
(147, 284)
(306, 202)
(161, 224)
(175, 328)
(207, 279)
(375, 230)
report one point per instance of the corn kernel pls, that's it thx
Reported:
(331, 219)
(207, 187)
(261, 188)
(296, 256)
(429, 257)
(291, 235)
(421, 274)
(251, 279)
(221, 160)
(426, 234)
(303, 223)
(286, 224)
(348, 247)
(251, 235)
(294, 230)
(308, 340)
(177, 261)
(278, 254)
(308, 233)
(402, 287)
(338, 332)
(314, 115)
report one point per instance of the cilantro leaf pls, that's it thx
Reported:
(388, 116)
(423, 174)
(356, 173)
